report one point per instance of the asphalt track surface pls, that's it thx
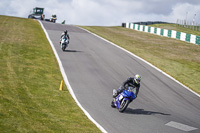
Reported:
(94, 68)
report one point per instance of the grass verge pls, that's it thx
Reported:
(179, 59)
(30, 100)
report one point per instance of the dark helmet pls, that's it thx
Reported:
(66, 32)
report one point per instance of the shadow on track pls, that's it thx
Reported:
(142, 112)
(71, 51)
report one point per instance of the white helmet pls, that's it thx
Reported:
(137, 79)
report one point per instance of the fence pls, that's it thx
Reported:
(164, 32)
(188, 24)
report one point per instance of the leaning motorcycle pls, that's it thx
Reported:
(122, 101)
(64, 43)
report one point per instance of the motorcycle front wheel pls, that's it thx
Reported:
(63, 47)
(124, 105)
(112, 104)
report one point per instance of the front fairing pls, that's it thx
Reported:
(64, 40)
(118, 100)
(127, 95)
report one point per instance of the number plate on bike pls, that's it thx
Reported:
(120, 97)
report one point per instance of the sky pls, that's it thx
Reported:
(106, 12)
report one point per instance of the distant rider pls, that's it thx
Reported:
(65, 35)
(133, 82)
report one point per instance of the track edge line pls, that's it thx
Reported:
(67, 82)
(143, 61)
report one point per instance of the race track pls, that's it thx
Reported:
(94, 68)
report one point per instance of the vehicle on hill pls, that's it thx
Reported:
(37, 13)
(53, 18)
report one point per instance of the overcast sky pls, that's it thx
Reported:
(106, 12)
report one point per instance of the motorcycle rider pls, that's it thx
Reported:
(65, 34)
(132, 81)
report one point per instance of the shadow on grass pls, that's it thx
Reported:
(142, 112)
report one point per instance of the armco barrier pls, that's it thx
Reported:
(164, 32)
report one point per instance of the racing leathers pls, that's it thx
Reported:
(129, 82)
(64, 35)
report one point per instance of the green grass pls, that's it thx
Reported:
(30, 100)
(177, 28)
(179, 59)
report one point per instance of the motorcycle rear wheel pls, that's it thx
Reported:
(123, 106)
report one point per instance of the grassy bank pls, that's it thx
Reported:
(30, 100)
(179, 59)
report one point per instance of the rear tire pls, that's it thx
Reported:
(123, 105)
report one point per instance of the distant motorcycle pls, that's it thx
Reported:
(122, 101)
(64, 43)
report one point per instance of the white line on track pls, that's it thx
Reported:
(67, 82)
(144, 61)
(180, 126)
